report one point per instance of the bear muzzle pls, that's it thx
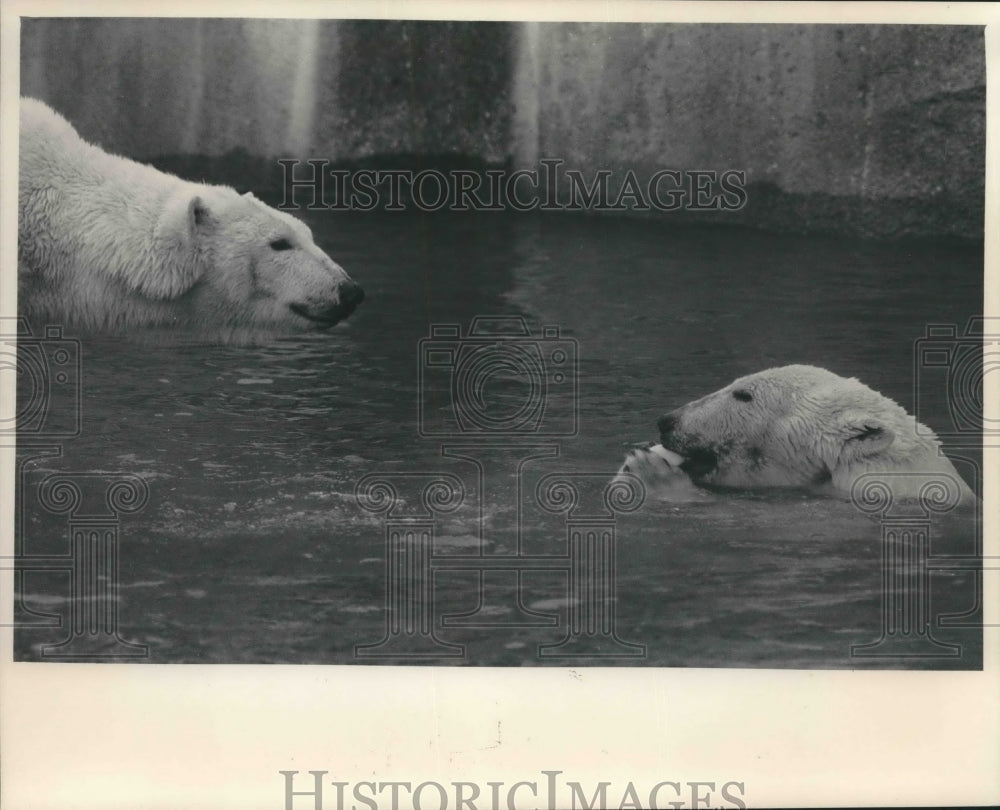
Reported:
(325, 314)
(698, 461)
(666, 423)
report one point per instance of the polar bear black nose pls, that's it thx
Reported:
(350, 294)
(666, 423)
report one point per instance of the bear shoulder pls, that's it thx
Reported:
(45, 133)
(37, 116)
(52, 153)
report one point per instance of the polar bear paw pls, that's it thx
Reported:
(660, 471)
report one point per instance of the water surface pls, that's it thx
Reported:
(253, 548)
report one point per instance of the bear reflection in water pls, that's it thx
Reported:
(792, 426)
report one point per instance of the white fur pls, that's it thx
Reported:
(107, 243)
(802, 426)
(660, 473)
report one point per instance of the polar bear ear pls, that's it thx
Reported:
(198, 217)
(865, 435)
(184, 218)
(178, 264)
(198, 213)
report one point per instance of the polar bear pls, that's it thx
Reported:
(795, 426)
(109, 244)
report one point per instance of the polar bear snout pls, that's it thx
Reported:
(326, 313)
(350, 294)
(670, 437)
(700, 459)
(666, 424)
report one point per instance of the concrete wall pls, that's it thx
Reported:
(833, 116)
(340, 90)
(867, 129)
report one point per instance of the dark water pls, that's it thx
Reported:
(252, 546)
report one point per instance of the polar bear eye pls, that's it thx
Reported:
(743, 396)
(281, 244)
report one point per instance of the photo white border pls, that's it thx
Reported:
(215, 737)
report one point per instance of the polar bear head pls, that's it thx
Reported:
(228, 261)
(795, 426)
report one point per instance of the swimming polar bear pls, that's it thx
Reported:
(793, 426)
(108, 244)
